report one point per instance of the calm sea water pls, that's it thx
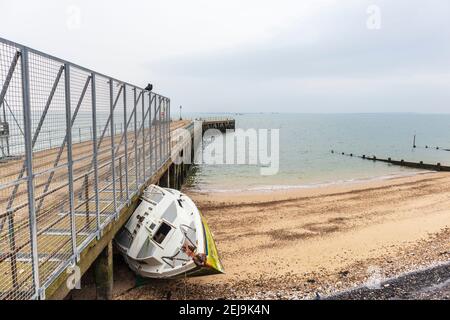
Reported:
(306, 141)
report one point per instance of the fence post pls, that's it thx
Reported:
(135, 141)
(160, 132)
(155, 135)
(167, 129)
(143, 136)
(170, 143)
(69, 159)
(120, 178)
(163, 129)
(150, 136)
(95, 151)
(113, 153)
(29, 169)
(125, 123)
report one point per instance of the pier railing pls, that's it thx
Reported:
(75, 147)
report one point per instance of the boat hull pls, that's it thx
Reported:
(167, 237)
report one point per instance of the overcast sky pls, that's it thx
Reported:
(254, 55)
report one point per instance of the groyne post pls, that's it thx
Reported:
(103, 273)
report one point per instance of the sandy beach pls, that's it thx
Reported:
(302, 242)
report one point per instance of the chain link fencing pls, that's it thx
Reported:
(75, 147)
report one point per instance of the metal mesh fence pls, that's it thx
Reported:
(75, 146)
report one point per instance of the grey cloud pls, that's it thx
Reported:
(413, 39)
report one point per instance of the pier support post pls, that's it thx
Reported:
(164, 180)
(103, 272)
(181, 173)
(172, 176)
(178, 176)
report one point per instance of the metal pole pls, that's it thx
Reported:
(166, 132)
(135, 142)
(69, 158)
(86, 196)
(164, 128)
(120, 179)
(167, 129)
(29, 168)
(166, 147)
(7, 137)
(150, 137)
(159, 132)
(158, 156)
(155, 135)
(95, 151)
(113, 163)
(126, 139)
(143, 136)
(170, 143)
(9, 76)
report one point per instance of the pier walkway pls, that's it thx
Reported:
(76, 150)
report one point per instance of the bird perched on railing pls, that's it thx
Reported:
(149, 87)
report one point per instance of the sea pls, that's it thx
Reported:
(306, 141)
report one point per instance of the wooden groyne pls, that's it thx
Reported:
(428, 147)
(403, 163)
(431, 148)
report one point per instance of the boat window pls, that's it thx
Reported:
(162, 232)
(154, 195)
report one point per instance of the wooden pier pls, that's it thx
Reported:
(68, 179)
(97, 253)
(222, 124)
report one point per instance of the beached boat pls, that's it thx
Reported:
(167, 237)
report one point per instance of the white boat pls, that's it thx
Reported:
(167, 237)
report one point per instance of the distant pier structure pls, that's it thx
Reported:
(77, 149)
(220, 123)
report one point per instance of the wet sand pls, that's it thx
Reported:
(303, 243)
